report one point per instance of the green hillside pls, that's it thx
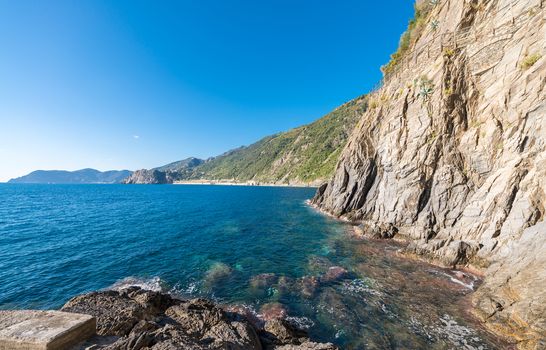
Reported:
(305, 154)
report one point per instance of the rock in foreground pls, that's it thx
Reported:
(135, 319)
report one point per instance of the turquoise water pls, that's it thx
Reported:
(260, 250)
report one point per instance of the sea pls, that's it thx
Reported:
(260, 250)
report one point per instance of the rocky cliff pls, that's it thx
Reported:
(165, 174)
(152, 177)
(451, 154)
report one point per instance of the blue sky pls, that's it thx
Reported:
(137, 84)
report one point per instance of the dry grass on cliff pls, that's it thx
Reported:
(530, 60)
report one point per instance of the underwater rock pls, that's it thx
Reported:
(263, 280)
(308, 286)
(285, 284)
(318, 264)
(217, 272)
(334, 273)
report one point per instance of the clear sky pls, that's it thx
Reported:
(137, 84)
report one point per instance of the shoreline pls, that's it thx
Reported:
(474, 312)
(248, 183)
(357, 232)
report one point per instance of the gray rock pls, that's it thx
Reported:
(283, 332)
(149, 177)
(461, 172)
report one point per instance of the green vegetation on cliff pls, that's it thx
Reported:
(305, 154)
(415, 28)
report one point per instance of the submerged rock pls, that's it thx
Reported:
(136, 319)
(308, 286)
(272, 311)
(285, 284)
(217, 273)
(263, 280)
(334, 273)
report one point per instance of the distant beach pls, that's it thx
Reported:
(247, 183)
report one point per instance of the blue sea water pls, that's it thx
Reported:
(261, 249)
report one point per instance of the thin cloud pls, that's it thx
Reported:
(136, 137)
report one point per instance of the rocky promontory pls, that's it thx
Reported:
(152, 177)
(134, 318)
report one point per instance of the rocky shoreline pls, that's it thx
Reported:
(481, 306)
(133, 319)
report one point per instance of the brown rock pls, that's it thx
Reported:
(308, 286)
(334, 273)
(272, 311)
(115, 314)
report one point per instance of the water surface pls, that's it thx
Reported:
(259, 249)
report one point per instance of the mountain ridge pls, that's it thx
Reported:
(305, 155)
(82, 176)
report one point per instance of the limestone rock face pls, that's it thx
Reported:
(135, 319)
(151, 177)
(451, 154)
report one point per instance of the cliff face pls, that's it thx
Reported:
(166, 174)
(153, 177)
(451, 154)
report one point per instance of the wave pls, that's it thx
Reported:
(153, 284)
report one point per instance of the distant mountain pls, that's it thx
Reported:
(304, 155)
(181, 165)
(83, 176)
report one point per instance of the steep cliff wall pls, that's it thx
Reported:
(451, 154)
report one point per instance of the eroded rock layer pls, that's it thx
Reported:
(452, 155)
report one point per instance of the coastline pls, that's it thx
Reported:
(355, 229)
(247, 183)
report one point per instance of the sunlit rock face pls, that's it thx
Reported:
(451, 154)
